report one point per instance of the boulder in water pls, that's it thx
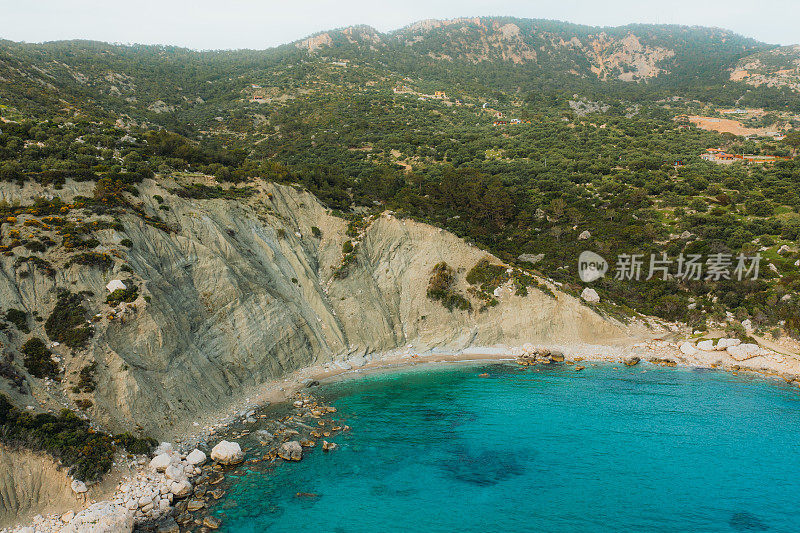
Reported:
(290, 451)
(227, 453)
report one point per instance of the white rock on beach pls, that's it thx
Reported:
(196, 457)
(687, 348)
(180, 489)
(160, 462)
(744, 351)
(103, 517)
(78, 487)
(227, 453)
(706, 345)
(723, 344)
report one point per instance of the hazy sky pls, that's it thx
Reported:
(206, 24)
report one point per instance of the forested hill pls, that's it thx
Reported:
(519, 135)
(480, 55)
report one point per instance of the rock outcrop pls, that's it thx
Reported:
(227, 453)
(102, 517)
(244, 291)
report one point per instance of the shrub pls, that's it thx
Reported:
(36, 246)
(84, 404)
(97, 259)
(86, 452)
(19, 319)
(86, 379)
(440, 287)
(316, 232)
(38, 359)
(123, 295)
(347, 247)
(135, 445)
(67, 323)
(487, 275)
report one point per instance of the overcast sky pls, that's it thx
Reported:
(207, 24)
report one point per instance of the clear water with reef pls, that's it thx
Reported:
(610, 448)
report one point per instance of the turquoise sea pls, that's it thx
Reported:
(610, 448)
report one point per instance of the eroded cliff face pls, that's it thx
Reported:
(30, 484)
(245, 292)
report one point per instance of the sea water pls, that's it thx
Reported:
(609, 448)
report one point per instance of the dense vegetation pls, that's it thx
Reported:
(592, 155)
(86, 452)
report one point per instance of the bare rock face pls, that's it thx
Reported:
(78, 487)
(244, 292)
(227, 453)
(103, 517)
(31, 484)
(290, 451)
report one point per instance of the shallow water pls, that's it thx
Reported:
(643, 448)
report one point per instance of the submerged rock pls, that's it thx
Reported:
(212, 522)
(290, 451)
(632, 361)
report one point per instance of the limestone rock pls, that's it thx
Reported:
(706, 345)
(724, 343)
(78, 487)
(744, 351)
(590, 295)
(196, 457)
(180, 489)
(102, 517)
(227, 453)
(687, 348)
(160, 462)
(584, 235)
(290, 451)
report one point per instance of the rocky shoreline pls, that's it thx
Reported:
(172, 491)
